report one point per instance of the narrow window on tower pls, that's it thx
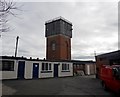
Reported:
(63, 27)
(54, 29)
(53, 46)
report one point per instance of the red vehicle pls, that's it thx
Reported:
(110, 77)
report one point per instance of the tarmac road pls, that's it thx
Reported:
(78, 85)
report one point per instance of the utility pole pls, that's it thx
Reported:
(94, 53)
(16, 46)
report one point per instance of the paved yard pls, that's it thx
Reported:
(79, 85)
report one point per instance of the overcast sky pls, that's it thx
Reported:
(95, 28)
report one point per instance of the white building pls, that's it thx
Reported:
(23, 68)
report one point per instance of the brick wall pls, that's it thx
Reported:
(62, 47)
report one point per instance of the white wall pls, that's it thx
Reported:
(46, 75)
(28, 69)
(11, 74)
(90, 68)
(87, 69)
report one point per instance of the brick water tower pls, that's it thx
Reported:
(58, 33)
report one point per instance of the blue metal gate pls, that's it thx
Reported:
(35, 70)
(21, 69)
(55, 70)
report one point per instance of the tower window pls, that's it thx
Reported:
(53, 46)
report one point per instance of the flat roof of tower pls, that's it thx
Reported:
(57, 18)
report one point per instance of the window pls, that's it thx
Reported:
(49, 66)
(46, 66)
(65, 66)
(63, 27)
(53, 27)
(7, 65)
(43, 66)
(53, 46)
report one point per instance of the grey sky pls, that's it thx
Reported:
(95, 28)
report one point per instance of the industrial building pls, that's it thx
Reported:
(111, 58)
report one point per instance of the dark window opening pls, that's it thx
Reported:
(7, 65)
(46, 66)
(43, 66)
(49, 66)
(65, 66)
